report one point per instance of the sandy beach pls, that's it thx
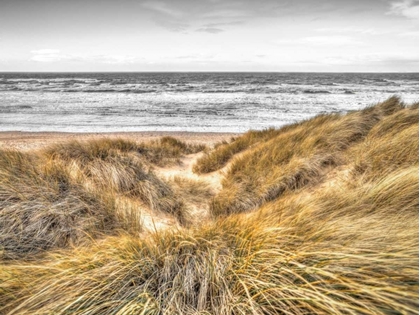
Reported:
(36, 140)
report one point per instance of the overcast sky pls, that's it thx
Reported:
(209, 35)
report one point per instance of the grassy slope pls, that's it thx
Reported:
(71, 192)
(319, 218)
(298, 156)
(218, 158)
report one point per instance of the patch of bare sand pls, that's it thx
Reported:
(184, 169)
(338, 177)
(198, 213)
(131, 210)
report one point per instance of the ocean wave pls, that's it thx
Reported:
(209, 83)
(316, 92)
(228, 90)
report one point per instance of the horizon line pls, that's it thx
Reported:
(215, 71)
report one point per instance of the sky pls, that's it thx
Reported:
(210, 35)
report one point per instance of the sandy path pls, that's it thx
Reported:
(184, 169)
(198, 213)
(153, 221)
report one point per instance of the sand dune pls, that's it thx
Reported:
(318, 217)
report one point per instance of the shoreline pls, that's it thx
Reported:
(29, 140)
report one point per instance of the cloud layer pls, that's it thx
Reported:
(55, 55)
(209, 35)
(406, 8)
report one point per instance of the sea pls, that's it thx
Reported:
(196, 102)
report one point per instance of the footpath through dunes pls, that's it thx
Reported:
(319, 217)
(197, 190)
(185, 169)
(109, 168)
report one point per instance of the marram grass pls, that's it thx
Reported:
(319, 217)
(303, 153)
(70, 193)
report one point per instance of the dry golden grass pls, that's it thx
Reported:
(68, 193)
(124, 167)
(168, 150)
(298, 255)
(193, 191)
(334, 228)
(42, 209)
(391, 144)
(298, 156)
(162, 152)
(218, 158)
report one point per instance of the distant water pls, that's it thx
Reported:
(216, 102)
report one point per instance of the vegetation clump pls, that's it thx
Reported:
(162, 152)
(41, 207)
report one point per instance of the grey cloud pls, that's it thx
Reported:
(220, 24)
(172, 25)
(211, 30)
(413, 3)
(330, 40)
(406, 8)
(370, 59)
(214, 16)
(54, 55)
(353, 30)
(165, 15)
(401, 61)
(162, 8)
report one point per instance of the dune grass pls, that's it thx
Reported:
(218, 158)
(319, 217)
(161, 152)
(69, 193)
(116, 166)
(125, 167)
(44, 208)
(287, 258)
(194, 191)
(392, 144)
(298, 156)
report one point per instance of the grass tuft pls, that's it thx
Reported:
(41, 209)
